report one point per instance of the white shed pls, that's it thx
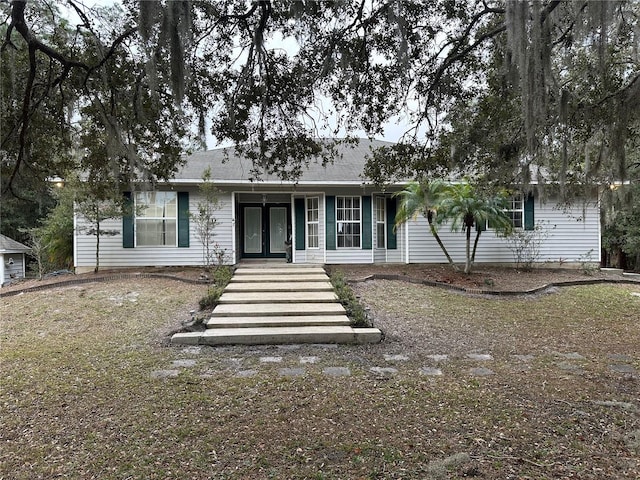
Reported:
(12, 259)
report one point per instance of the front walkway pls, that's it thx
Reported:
(277, 303)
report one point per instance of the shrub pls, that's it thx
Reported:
(525, 245)
(221, 277)
(355, 311)
(587, 264)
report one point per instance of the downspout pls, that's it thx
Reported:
(75, 238)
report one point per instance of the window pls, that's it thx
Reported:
(156, 219)
(516, 211)
(348, 222)
(312, 222)
(380, 222)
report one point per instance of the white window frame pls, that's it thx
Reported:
(381, 220)
(141, 203)
(348, 212)
(315, 222)
(514, 210)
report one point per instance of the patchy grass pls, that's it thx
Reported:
(80, 399)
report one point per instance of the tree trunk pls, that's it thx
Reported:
(95, 270)
(434, 232)
(475, 247)
(467, 266)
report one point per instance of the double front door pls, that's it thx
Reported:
(265, 229)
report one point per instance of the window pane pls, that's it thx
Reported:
(156, 218)
(380, 237)
(155, 232)
(348, 222)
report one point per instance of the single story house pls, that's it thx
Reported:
(12, 259)
(332, 215)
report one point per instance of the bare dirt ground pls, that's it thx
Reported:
(489, 278)
(463, 386)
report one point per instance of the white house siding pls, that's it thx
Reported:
(113, 255)
(571, 234)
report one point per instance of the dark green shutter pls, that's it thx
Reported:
(331, 222)
(392, 242)
(183, 219)
(529, 221)
(366, 223)
(127, 221)
(298, 205)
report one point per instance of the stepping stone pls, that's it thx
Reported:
(165, 373)
(570, 356)
(623, 369)
(384, 370)
(480, 357)
(337, 371)
(569, 367)
(246, 373)
(291, 372)
(481, 372)
(524, 358)
(184, 363)
(438, 358)
(311, 359)
(396, 358)
(619, 357)
(235, 360)
(192, 350)
(430, 371)
(270, 359)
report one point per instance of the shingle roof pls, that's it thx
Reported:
(9, 245)
(346, 168)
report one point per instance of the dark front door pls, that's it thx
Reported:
(264, 230)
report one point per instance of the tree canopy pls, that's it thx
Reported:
(491, 86)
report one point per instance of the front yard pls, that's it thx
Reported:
(535, 387)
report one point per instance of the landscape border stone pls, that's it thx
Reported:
(498, 293)
(104, 278)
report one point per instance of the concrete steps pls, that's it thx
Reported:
(319, 286)
(278, 321)
(267, 304)
(280, 335)
(276, 297)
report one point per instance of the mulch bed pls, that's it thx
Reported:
(484, 280)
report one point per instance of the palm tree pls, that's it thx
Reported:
(466, 208)
(424, 199)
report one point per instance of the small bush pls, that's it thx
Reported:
(587, 264)
(221, 277)
(210, 300)
(526, 245)
(355, 311)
